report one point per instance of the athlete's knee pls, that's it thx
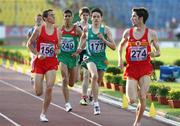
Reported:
(39, 93)
(142, 100)
(94, 77)
(85, 76)
(49, 88)
(131, 101)
(99, 81)
(142, 97)
(64, 85)
(65, 80)
(71, 81)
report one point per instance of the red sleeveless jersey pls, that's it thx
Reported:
(46, 44)
(137, 50)
(137, 58)
(72, 32)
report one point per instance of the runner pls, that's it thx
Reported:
(38, 22)
(45, 63)
(70, 39)
(138, 52)
(96, 37)
(84, 14)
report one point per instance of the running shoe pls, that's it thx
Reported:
(43, 118)
(83, 100)
(68, 107)
(96, 109)
(90, 100)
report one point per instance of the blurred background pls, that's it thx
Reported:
(17, 16)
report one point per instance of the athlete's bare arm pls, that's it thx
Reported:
(109, 42)
(122, 43)
(81, 44)
(78, 31)
(84, 32)
(59, 41)
(82, 39)
(154, 40)
(33, 39)
(29, 35)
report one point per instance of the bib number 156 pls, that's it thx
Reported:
(47, 49)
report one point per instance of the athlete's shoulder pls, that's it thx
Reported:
(59, 28)
(78, 23)
(152, 32)
(30, 30)
(107, 29)
(126, 32)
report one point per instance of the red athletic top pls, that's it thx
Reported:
(46, 44)
(137, 58)
(72, 32)
(137, 50)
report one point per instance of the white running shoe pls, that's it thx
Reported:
(68, 107)
(96, 109)
(43, 118)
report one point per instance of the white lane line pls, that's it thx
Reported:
(6, 83)
(10, 120)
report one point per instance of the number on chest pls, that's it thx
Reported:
(96, 46)
(47, 49)
(138, 53)
(68, 44)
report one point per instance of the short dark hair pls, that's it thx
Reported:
(39, 15)
(45, 13)
(97, 10)
(141, 12)
(84, 10)
(67, 11)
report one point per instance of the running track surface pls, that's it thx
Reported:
(19, 106)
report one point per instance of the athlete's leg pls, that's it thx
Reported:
(38, 84)
(100, 77)
(85, 85)
(85, 82)
(50, 80)
(32, 66)
(131, 90)
(78, 73)
(72, 76)
(94, 79)
(144, 82)
(65, 81)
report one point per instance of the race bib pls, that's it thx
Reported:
(96, 46)
(47, 49)
(138, 53)
(68, 44)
